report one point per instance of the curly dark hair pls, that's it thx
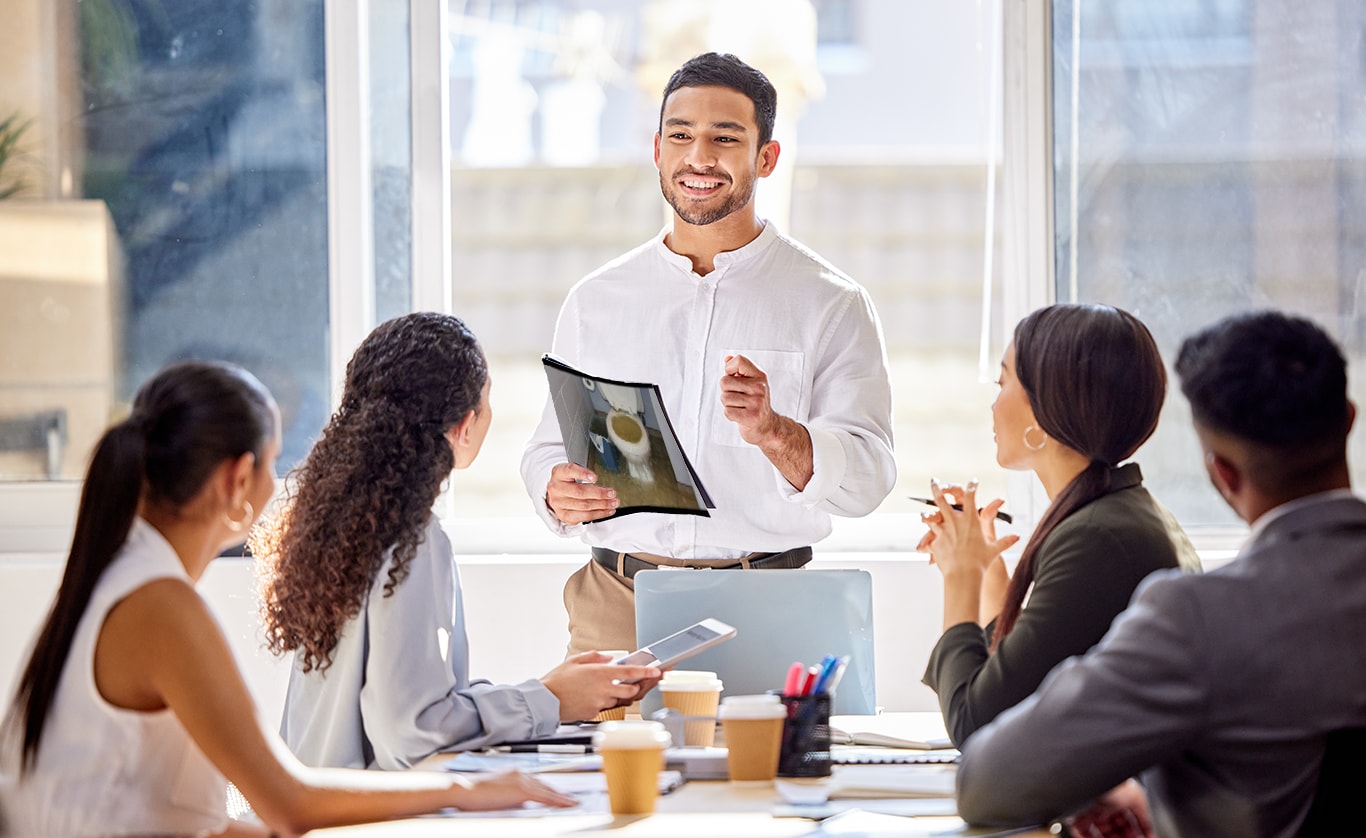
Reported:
(369, 483)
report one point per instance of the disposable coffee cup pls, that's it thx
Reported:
(612, 714)
(693, 693)
(632, 756)
(753, 727)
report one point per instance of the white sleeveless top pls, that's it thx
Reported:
(103, 770)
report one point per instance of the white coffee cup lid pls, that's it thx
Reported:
(690, 680)
(631, 733)
(752, 707)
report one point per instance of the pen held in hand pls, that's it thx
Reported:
(1000, 516)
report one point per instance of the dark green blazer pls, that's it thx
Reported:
(1085, 573)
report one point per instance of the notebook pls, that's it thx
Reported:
(780, 616)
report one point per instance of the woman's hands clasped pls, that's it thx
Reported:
(963, 543)
(962, 539)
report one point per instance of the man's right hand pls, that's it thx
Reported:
(574, 497)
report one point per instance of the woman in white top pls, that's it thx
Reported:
(360, 580)
(131, 716)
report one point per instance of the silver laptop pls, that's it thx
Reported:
(780, 616)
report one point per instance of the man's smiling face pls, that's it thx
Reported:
(708, 153)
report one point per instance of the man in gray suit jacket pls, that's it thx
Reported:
(1217, 691)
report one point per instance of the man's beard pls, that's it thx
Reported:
(700, 216)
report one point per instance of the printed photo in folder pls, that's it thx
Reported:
(620, 431)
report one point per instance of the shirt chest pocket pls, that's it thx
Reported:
(788, 391)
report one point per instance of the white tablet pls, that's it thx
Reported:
(680, 645)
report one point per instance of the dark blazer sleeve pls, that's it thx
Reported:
(1085, 574)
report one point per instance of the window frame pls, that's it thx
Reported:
(36, 518)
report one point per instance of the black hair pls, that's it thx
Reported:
(1274, 380)
(1270, 378)
(713, 69)
(185, 422)
(1096, 384)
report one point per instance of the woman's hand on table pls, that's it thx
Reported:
(506, 791)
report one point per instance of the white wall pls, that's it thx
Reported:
(515, 618)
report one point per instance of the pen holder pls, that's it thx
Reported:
(806, 737)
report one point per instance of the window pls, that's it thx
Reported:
(884, 171)
(199, 127)
(184, 196)
(1209, 157)
(255, 181)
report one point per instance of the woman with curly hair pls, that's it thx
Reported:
(360, 580)
(131, 717)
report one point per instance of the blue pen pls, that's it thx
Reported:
(828, 665)
(838, 674)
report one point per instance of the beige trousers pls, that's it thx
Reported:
(602, 610)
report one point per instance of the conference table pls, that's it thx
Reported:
(699, 809)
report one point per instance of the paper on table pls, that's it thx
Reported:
(872, 824)
(861, 755)
(853, 782)
(911, 807)
(859, 781)
(527, 763)
(890, 731)
(596, 782)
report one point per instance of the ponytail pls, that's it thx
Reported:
(109, 502)
(1093, 482)
(1095, 382)
(186, 421)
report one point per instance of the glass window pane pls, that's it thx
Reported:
(200, 127)
(391, 148)
(1215, 162)
(883, 122)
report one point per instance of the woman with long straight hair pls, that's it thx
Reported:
(131, 716)
(360, 580)
(1081, 388)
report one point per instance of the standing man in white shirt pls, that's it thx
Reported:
(770, 361)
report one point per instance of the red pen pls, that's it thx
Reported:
(812, 673)
(795, 675)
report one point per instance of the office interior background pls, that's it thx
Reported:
(262, 181)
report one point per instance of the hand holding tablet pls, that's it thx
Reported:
(680, 645)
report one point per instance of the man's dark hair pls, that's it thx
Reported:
(1272, 379)
(725, 70)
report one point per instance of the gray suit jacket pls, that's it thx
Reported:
(1217, 689)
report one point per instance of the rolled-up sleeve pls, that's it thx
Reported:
(850, 419)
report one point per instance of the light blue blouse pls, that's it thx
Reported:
(398, 688)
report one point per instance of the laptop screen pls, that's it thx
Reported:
(780, 616)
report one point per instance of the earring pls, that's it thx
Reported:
(1040, 446)
(247, 513)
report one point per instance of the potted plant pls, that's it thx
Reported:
(12, 155)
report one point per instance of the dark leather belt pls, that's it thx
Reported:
(629, 564)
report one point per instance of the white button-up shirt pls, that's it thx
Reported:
(647, 317)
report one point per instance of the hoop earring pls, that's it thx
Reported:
(1041, 445)
(237, 526)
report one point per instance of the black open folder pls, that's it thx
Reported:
(620, 431)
